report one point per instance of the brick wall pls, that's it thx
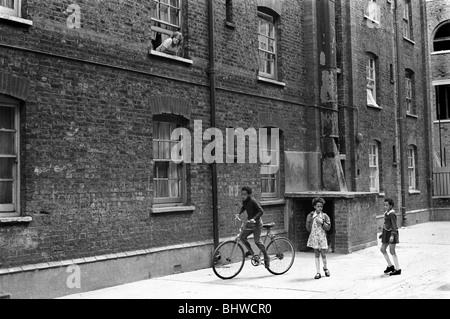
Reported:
(87, 124)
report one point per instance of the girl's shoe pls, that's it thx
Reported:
(389, 269)
(327, 272)
(396, 273)
(318, 276)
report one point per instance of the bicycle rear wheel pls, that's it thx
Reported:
(282, 255)
(228, 260)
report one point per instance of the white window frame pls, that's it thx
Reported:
(156, 19)
(13, 209)
(374, 166)
(412, 156)
(12, 12)
(373, 11)
(173, 200)
(270, 20)
(407, 23)
(275, 177)
(409, 94)
(371, 78)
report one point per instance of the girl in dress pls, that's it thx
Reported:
(389, 237)
(317, 224)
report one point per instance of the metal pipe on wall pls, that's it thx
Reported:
(401, 111)
(213, 102)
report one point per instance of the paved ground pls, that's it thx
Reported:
(424, 255)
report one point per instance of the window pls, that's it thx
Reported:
(372, 82)
(166, 19)
(443, 102)
(9, 158)
(374, 167)
(407, 20)
(409, 93)
(168, 177)
(10, 7)
(373, 11)
(441, 40)
(412, 164)
(267, 45)
(270, 183)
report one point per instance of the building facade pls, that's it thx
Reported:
(88, 103)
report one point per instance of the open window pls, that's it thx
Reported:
(443, 102)
(412, 167)
(9, 157)
(166, 19)
(373, 11)
(374, 165)
(270, 173)
(410, 93)
(169, 178)
(407, 20)
(267, 39)
(371, 77)
(441, 41)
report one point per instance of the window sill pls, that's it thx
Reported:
(440, 52)
(16, 220)
(414, 192)
(409, 40)
(442, 122)
(374, 107)
(371, 20)
(275, 82)
(230, 25)
(381, 195)
(173, 209)
(273, 202)
(16, 19)
(171, 57)
(412, 115)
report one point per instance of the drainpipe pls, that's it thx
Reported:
(428, 117)
(213, 102)
(332, 172)
(401, 111)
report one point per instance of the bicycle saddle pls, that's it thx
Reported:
(269, 226)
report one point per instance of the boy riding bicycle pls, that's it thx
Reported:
(254, 225)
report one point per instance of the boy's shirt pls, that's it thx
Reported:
(253, 209)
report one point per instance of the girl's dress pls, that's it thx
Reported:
(318, 237)
(390, 228)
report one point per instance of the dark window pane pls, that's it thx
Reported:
(7, 118)
(6, 193)
(6, 168)
(161, 169)
(442, 46)
(7, 143)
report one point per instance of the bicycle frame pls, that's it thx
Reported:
(241, 230)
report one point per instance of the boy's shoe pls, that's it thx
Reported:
(267, 262)
(327, 272)
(318, 276)
(389, 270)
(396, 273)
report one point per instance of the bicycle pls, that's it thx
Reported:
(229, 257)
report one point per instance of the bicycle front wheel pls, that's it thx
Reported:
(228, 260)
(281, 253)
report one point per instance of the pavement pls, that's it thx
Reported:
(424, 254)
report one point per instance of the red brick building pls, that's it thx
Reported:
(87, 105)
